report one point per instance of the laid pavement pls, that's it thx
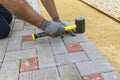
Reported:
(68, 58)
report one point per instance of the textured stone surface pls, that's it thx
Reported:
(76, 39)
(95, 66)
(22, 54)
(18, 26)
(29, 64)
(70, 58)
(93, 77)
(9, 71)
(28, 26)
(69, 72)
(111, 76)
(91, 50)
(1, 56)
(45, 56)
(34, 44)
(42, 74)
(58, 46)
(14, 43)
(74, 47)
(3, 43)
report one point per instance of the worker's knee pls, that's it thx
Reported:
(4, 28)
(4, 32)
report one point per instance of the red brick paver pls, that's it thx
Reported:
(27, 38)
(93, 77)
(74, 47)
(29, 64)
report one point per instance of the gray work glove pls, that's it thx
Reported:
(53, 29)
(71, 32)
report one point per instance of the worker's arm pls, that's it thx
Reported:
(22, 10)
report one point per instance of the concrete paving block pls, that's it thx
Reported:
(111, 76)
(34, 44)
(3, 44)
(95, 66)
(21, 33)
(18, 26)
(14, 43)
(1, 56)
(45, 56)
(10, 71)
(21, 54)
(70, 58)
(31, 27)
(76, 39)
(42, 74)
(38, 31)
(18, 20)
(0, 65)
(58, 46)
(69, 72)
(91, 50)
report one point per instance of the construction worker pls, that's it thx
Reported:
(24, 11)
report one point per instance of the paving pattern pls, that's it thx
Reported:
(68, 58)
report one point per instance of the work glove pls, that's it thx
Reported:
(71, 32)
(53, 29)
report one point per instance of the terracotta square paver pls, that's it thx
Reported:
(26, 24)
(27, 38)
(93, 77)
(74, 47)
(29, 64)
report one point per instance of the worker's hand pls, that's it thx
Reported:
(53, 29)
(64, 25)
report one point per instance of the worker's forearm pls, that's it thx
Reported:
(50, 7)
(22, 10)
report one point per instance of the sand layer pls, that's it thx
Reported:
(111, 7)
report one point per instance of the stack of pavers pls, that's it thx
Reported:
(70, 58)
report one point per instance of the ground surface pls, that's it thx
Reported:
(68, 58)
(100, 29)
(111, 7)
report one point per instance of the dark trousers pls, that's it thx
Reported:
(5, 19)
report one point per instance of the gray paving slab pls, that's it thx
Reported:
(0, 65)
(22, 33)
(34, 44)
(18, 26)
(69, 72)
(95, 66)
(42, 74)
(3, 44)
(70, 58)
(111, 76)
(38, 30)
(91, 51)
(1, 56)
(15, 40)
(9, 71)
(14, 43)
(78, 38)
(21, 54)
(58, 46)
(31, 27)
(18, 20)
(45, 56)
